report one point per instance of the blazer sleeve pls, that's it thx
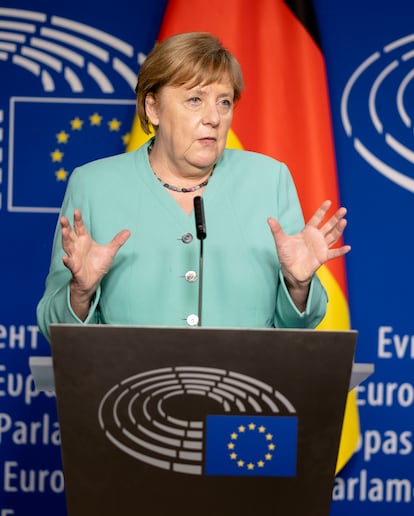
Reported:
(54, 306)
(291, 219)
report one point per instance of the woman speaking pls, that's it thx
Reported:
(125, 250)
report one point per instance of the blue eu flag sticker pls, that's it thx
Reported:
(251, 446)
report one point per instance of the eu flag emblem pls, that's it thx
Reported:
(68, 133)
(251, 445)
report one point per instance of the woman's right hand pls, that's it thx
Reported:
(87, 260)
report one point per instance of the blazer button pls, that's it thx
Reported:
(192, 320)
(187, 238)
(191, 276)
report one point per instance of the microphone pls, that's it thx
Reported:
(200, 223)
(199, 218)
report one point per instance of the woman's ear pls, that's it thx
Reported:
(151, 109)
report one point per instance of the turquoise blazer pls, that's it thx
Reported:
(154, 279)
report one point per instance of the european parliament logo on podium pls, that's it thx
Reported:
(150, 417)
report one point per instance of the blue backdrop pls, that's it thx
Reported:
(66, 96)
(369, 49)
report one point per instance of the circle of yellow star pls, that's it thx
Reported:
(114, 125)
(56, 156)
(61, 174)
(76, 124)
(62, 137)
(261, 430)
(126, 138)
(95, 119)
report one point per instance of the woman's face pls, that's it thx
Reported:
(192, 124)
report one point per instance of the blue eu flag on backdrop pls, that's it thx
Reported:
(64, 134)
(251, 445)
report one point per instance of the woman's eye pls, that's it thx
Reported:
(226, 103)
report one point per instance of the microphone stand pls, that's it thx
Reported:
(200, 285)
(201, 235)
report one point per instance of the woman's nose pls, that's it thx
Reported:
(211, 114)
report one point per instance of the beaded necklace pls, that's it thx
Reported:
(183, 189)
(178, 188)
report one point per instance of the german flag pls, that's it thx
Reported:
(284, 113)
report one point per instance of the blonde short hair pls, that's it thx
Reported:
(190, 57)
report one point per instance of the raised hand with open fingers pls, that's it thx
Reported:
(302, 254)
(87, 260)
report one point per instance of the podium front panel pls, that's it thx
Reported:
(199, 422)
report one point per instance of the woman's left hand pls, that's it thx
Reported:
(302, 254)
